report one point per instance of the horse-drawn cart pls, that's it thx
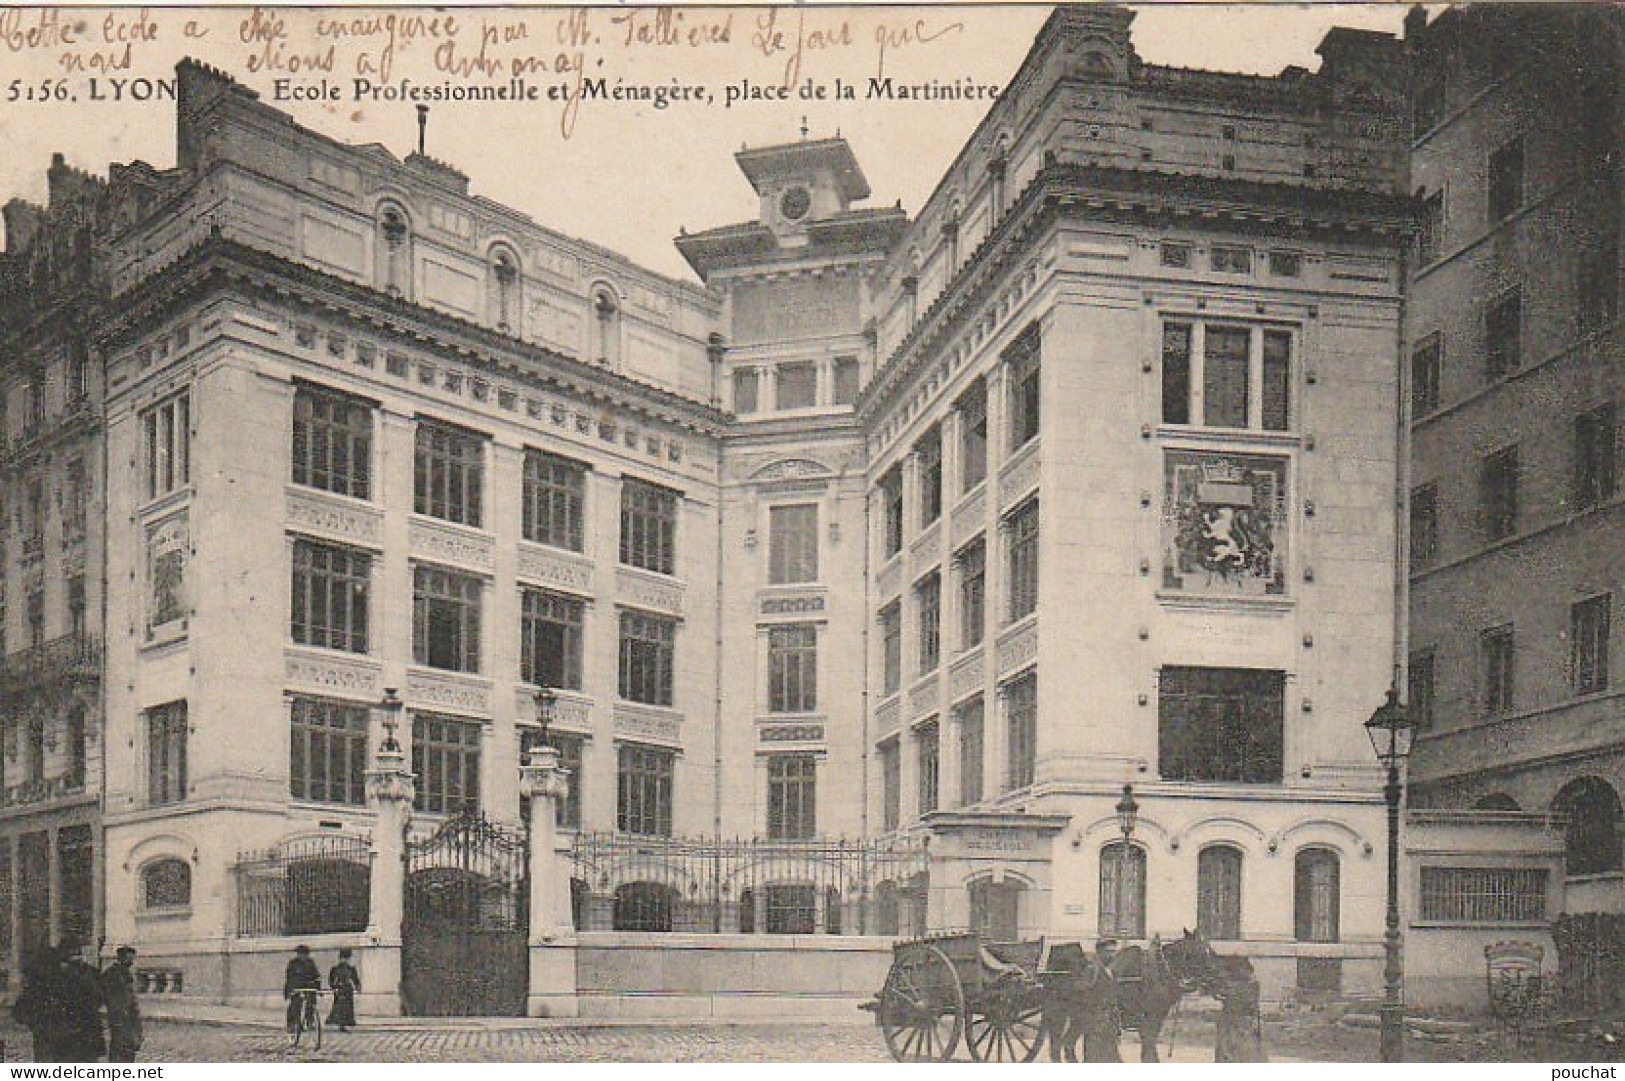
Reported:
(944, 988)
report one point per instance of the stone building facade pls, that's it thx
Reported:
(946, 526)
(1513, 342)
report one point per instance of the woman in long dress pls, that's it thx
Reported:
(345, 982)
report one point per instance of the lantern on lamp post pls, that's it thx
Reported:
(1390, 731)
(546, 703)
(389, 707)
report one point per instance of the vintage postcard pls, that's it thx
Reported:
(811, 533)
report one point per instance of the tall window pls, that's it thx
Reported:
(1498, 494)
(792, 669)
(970, 751)
(972, 564)
(166, 446)
(1021, 715)
(1022, 531)
(792, 797)
(972, 406)
(1221, 725)
(1023, 359)
(1503, 336)
(550, 639)
(793, 544)
(1506, 180)
(1588, 637)
(1430, 229)
(328, 752)
(332, 442)
(446, 759)
(1218, 893)
(1224, 375)
(648, 526)
(644, 790)
(1596, 456)
(847, 374)
(745, 384)
(555, 493)
(1424, 525)
(445, 619)
(891, 785)
(166, 753)
(891, 502)
(1496, 654)
(1425, 369)
(75, 499)
(891, 648)
(1419, 688)
(1599, 283)
(1122, 891)
(927, 746)
(1316, 896)
(929, 449)
(928, 602)
(797, 386)
(330, 591)
(648, 646)
(450, 473)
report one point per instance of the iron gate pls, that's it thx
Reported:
(464, 939)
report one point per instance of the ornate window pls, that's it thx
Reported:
(332, 442)
(972, 563)
(555, 494)
(969, 715)
(1023, 359)
(550, 633)
(446, 759)
(792, 797)
(891, 648)
(792, 666)
(449, 473)
(972, 406)
(446, 619)
(928, 764)
(1021, 717)
(330, 590)
(166, 446)
(166, 883)
(929, 449)
(648, 649)
(891, 501)
(1226, 375)
(644, 790)
(1022, 539)
(648, 526)
(328, 751)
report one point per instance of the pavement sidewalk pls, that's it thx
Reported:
(208, 1013)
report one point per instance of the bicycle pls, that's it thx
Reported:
(307, 1019)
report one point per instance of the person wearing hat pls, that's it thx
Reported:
(302, 975)
(345, 982)
(1099, 1012)
(123, 1010)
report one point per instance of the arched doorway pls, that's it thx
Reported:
(1591, 837)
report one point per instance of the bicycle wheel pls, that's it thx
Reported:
(298, 1029)
(316, 1023)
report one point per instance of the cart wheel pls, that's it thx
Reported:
(922, 1008)
(1007, 1028)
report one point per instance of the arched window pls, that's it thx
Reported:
(995, 909)
(1316, 893)
(503, 289)
(1122, 891)
(1497, 801)
(1591, 839)
(166, 884)
(606, 327)
(394, 251)
(1218, 892)
(644, 906)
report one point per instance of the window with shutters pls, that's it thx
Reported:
(1122, 891)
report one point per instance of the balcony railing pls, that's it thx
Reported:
(46, 788)
(68, 658)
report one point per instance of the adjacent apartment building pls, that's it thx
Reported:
(1513, 339)
(947, 525)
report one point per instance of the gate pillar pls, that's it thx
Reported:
(389, 794)
(552, 931)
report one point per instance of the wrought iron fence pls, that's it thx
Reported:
(622, 882)
(304, 886)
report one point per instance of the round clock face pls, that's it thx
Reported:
(795, 203)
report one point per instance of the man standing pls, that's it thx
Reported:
(1100, 1017)
(123, 1011)
(302, 975)
(80, 1000)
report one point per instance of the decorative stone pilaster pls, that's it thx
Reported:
(390, 791)
(552, 931)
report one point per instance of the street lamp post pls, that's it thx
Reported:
(1128, 811)
(1390, 732)
(546, 700)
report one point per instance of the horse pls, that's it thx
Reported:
(1149, 983)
